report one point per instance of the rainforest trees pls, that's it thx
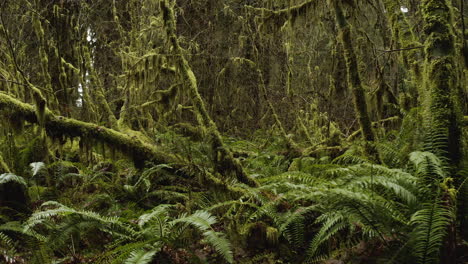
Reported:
(233, 131)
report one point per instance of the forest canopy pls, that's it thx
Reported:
(233, 131)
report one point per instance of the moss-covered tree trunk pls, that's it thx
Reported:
(440, 82)
(224, 160)
(441, 99)
(354, 79)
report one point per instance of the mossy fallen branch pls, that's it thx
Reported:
(59, 127)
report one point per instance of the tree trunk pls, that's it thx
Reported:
(441, 98)
(440, 82)
(354, 80)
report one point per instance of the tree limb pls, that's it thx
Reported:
(224, 161)
(59, 126)
(409, 48)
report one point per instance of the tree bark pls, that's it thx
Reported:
(440, 82)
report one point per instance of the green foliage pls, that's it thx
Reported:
(140, 257)
(431, 223)
(201, 131)
(7, 248)
(57, 224)
(12, 178)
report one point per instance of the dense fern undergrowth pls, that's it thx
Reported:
(326, 208)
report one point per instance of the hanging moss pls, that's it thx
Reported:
(289, 13)
(98, 89)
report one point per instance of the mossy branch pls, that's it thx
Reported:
(354, 80)
(58, 126)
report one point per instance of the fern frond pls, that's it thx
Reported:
(10, 177)
(161, 211)
(332, 224)
(391, 154)
(140, 257)
(428, 166)
(203, 220)
(111, 225)
(294, 229)
(431, 224)
(349, 159)
(220, 244)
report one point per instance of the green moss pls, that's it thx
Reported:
(3, 166)
(58, 126)
(441, 82)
